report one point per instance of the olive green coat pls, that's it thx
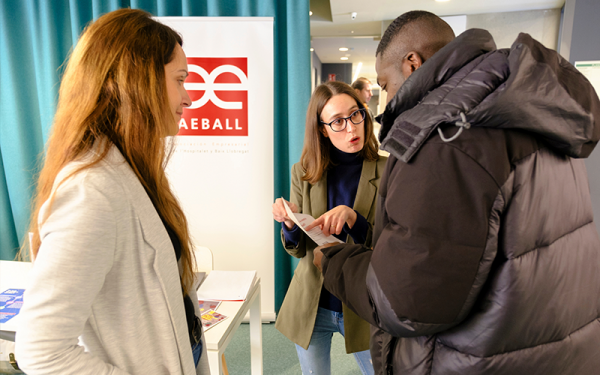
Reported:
(296, 318)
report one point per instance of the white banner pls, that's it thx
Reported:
(222, 167)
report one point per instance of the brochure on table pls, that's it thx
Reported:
(222, 286)
(13, 283)
(11, 301)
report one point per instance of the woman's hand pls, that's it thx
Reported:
(332, 221)
(280, 214)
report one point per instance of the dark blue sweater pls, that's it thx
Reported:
(342, 184)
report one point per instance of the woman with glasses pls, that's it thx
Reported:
(336, 182)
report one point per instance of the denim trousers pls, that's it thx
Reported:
(316, 360)
(197, 352)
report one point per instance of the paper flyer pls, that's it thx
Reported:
(211, 318)
(11, 301)
(315, 234)
(208, 305)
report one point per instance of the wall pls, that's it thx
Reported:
(581, 25)
(374, 102)
(542, 25)
(315, 71)
(342, 71)
(585, 39)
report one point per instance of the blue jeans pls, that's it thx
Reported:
(197, 351)
(317, 360)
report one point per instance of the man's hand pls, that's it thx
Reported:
(319, 254)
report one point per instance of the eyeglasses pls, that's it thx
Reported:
(340, 123)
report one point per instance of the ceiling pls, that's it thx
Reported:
(362, 34)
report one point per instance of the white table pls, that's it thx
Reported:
(12, 275)
(219, 336)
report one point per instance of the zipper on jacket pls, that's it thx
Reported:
(389, 362)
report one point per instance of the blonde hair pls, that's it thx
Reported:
(114, 92)
(315, 157)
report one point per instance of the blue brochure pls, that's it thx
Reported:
(11, 301)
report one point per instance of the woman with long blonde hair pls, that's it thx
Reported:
(113, 261)
(336, 182)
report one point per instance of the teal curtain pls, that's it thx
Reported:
(36, 36)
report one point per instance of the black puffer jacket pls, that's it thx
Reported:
(486, 256)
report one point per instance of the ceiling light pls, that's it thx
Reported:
(343, 49)
(344, 58)
(311, 49)
(310, 12)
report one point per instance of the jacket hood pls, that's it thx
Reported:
(470, 83)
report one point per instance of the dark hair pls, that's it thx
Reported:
(315, 157)
(396, 26)
(360, 83)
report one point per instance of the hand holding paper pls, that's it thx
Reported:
(303, 220)
(333, 221)
(280, 214)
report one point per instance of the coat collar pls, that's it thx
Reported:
(364, 195)
(156, 237)
(433, 73)
(467, 83)
(318, 197)
(409, 118)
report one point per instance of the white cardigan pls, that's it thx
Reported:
(106, 273)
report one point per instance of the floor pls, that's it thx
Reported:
(279, 354)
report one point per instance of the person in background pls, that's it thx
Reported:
(112, 258)
(336, 182)
(486, 254)
(362, 87)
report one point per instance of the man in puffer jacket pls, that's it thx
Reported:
(486, 256)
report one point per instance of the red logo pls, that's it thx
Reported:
(218, 88)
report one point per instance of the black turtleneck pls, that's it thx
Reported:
(343, 176)
(342, 181)
(187, 301)
(342, 184)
